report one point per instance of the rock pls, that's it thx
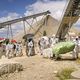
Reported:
(75, 75)
(72, 79)
(9, 67)
(55, 72)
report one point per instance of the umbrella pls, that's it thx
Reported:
(28, 36)
(13, 41)
(2, 39)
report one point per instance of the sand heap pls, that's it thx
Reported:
(48, 24)
(75, 30)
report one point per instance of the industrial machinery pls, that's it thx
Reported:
(70, 17)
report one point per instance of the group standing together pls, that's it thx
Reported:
(46, 43)
(11, 49)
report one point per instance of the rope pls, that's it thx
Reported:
(30, 24)
(40, 25)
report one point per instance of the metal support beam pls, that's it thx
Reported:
(24, 27)
(7, 31)
(22, 19)
(11, 32)
(69, 18)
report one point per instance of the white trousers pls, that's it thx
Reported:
(30, 51)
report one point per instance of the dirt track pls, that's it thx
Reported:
(38, 68)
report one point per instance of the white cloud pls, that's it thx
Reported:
(15, 27)
(10, 16)
(56, 7)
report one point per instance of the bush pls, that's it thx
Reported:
(44, 33)
(78, 60)
(65, 73)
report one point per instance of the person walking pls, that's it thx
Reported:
(14, 49)
(76, 49)
(9, 48)
(30, 47)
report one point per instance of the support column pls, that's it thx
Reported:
(24, 27)
(8, 31)
(11, 31)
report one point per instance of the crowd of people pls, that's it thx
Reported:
(46, 42)
(10, 49)
(13, 49)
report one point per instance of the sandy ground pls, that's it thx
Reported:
(39, 68)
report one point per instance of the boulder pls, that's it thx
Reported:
(9, 67)
(75, 75)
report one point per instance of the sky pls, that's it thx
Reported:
(12, 9)
(18, 8)
(12, 6)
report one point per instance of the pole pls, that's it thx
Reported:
(11, 32)
(7, 32)
(24, 27)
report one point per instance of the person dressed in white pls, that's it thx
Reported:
(19, 49)
(79, 43)
(54, 41)
(30, 47)
(42, 45)
(76, 49)
(9, 48)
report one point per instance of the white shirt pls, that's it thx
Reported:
(9, 46)
(30, 44)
